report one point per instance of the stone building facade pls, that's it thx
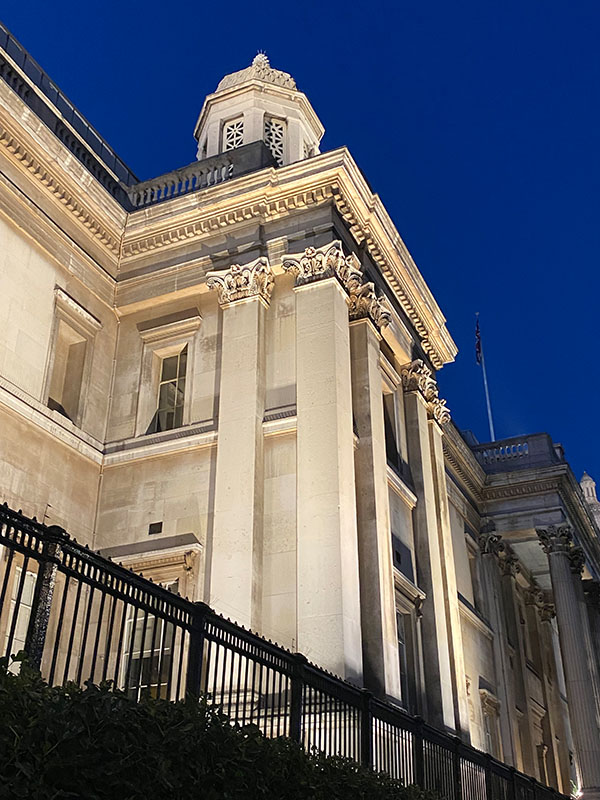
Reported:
(225, 378)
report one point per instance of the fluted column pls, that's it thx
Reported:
(236, 562)
(329, 628)
(492, 547)
(377, 593)
(420, 392)
(565, 568)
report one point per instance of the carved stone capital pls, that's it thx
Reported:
(364, 303)
(577, 559)
(547, 612)
(555, 538)
(417, 377)
(316, 264)
(559, 539)
(490, 542)
(240, 282)
(509, 564)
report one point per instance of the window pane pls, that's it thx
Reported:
(178, 417)
(165, 421)
(182, 362)
(169, 368)
(180, 391)
(166, 396)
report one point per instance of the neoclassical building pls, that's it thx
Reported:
(225, 377)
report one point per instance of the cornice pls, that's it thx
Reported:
(52, 177)
(462, 461)
(271, 194)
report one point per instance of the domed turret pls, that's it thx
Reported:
(259, 103)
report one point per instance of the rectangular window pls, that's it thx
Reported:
(70, 356)
(406, 659)
(391, 434)
(67, 371)
(147, 653)
(171, 393)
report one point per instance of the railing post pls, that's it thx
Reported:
(193, 680)
(419, 754)
(297, 696)
(456, 768)
(366, 725)
(512, 789)
(489, 787)
(53, 539)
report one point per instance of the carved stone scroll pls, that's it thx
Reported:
(240, 282)
(364, 303)
(417, 377)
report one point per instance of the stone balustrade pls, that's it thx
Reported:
(517, 453)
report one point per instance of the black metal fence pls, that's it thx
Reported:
(81, 617)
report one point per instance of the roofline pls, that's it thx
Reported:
(25, 76)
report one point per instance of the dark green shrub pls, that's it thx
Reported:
(95, 743)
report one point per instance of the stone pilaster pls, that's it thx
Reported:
(329, 626)
(378, 607)
(565, 565)
(420, 390)
(236, 558)
(492, 547)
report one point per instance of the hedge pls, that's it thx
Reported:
(96, 743)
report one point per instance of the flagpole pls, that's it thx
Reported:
(487, 391)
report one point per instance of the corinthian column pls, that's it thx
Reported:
(492, 546)
(442, 654)
(235, 580)
(377, 592)
(329, 630)
(566, 563)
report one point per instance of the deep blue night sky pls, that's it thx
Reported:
(476, 122)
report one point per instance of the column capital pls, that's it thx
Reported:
(318, 263)
(242, 282)
(364, 304)
(509, 564)
(559, 539)
(417, 377)
(535, 596)
(490, 542)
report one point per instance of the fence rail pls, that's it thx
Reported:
(82, 617)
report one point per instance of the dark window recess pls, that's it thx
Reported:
(154, 527)
(402, 558)
(389, 421)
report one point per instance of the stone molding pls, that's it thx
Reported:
(559, 539)
(38, 171)
(71, 305)
(490, 705)
(242, 282)
(417, 377)
(490, 543)
(319, 263)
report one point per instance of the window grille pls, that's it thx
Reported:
(274, 138)
(171, 393)
(233, 134)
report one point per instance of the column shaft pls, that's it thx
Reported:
(579, 683)
(237, 539)
(328, 583)
(436, 653)
(461, 709)
(377, 593)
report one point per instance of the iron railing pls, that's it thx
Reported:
(81, 617)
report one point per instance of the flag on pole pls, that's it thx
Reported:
(477, 342)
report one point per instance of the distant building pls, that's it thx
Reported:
(225, 377)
